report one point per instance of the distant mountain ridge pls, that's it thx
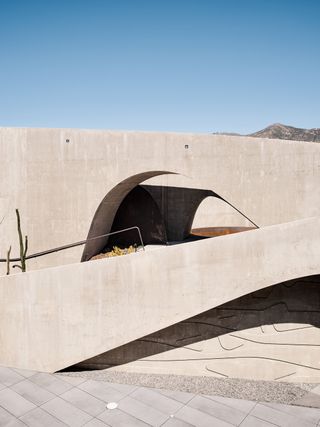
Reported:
(280, 131)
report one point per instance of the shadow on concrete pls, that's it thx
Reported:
(163, 214)
(107, 210)
(293, 302)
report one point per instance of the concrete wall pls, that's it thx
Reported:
(54, 318)
(58, 186)
(271, 334)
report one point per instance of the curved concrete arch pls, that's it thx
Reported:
(105, 214)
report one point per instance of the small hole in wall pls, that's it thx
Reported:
(67, 140)
(186, 146)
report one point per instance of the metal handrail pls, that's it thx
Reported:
(72, 245)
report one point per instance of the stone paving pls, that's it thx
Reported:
(30, 398)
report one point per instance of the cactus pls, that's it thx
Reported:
(8, 261)
(23, 246)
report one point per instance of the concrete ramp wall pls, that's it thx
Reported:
(57, 317)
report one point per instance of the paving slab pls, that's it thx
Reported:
(66, 412)
(32, 392)
(24, 372)
(75, 381)
(14, 403)
(180, 396)
(174, 422)
(84, 401)
(40, 418)
(96, 423)
(7, 419)
(117, 418)
(51, 383)
(8, 377)
(312, 415)
(50, 400)
(158, 401)
(310, 399)
(279, 418)
(199, 419)
(142, 411)
(251, 421)
(240, 404)
(218, 410)
(102, 391)
(123, 388)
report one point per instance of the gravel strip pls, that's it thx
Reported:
(263, 391)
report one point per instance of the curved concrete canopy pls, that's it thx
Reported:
(105, 214)
(178, 206)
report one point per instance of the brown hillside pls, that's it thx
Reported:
(279, 131)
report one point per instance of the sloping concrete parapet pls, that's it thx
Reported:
(56, 317)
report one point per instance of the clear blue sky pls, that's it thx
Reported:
(176, 65)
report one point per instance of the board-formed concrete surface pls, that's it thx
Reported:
(54, 318)
(69, 184)
(276, 328)
(59, 185)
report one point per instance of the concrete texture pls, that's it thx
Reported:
(106, 212)
(58, 186)
(276, 328)
(84, 402)
(69, 184)
(78, 310)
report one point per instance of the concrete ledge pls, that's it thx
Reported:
(57, 317)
